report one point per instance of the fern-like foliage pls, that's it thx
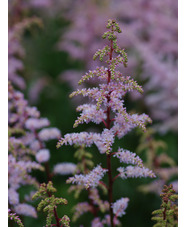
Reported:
(49, 204)
(167, 215)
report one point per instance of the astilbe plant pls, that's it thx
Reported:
(15, 218)
(27, 149)
(108, 108)
(167, 215)
(49, 204)
(28, 132)
(24, 14)
(151, 41)
(16, 51)
(94, 204)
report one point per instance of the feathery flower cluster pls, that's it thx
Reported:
(102, 141)
(26, 140)
(27, 134)
(134, 172)
(151, 41)
(64, 168)
(13, 196)
(138, 170)
(89, 180)
(25, 145)
(97, 222)
(80, 209)
(94, 196)
(124, 123)
(25, 209)
(128, 157)
(120, 206)
(34, 123)
(49, 134)
(16, 51)
(106, 141)
(43, 155)
(14, 217)
(147, 43)
(94, 203)
(90, 113)
(108, 101)
(19, 173)
(77, 138)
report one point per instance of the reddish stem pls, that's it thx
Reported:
(104, 122)
(116, 133)
(116, 177)
(101, 182)
(109, 155)
(56, 217)
(55, 212)
(47, 170)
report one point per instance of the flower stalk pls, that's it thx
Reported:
(107, 101)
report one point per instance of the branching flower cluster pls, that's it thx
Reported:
(27, 136)
(107, 101)
(151, 40)
(28, 132)
(94, 204)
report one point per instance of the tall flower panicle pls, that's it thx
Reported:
(27, 148)
(16, 51)
(151, 41)
(107, 107)
(27, 129)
